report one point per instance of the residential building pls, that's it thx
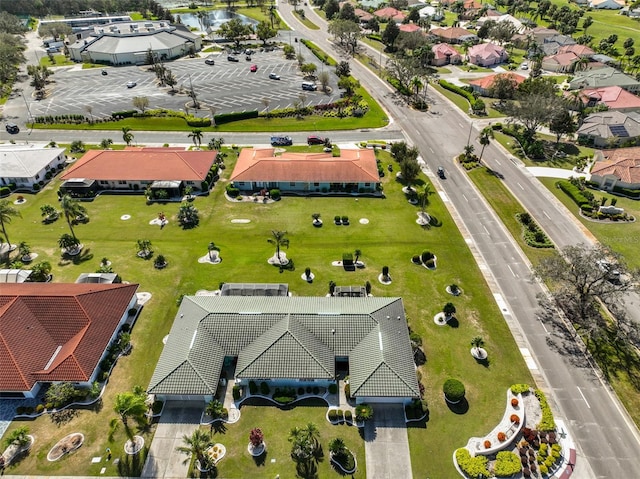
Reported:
(135, 169)
(487, 54)
(433, 12)
(127, 43)
(560, 62)
(390, 14)
(551, 45)
(288, 342)
(518, 25)
(56, 332)
(608, 128)
(445, 54)
(607, 4)
(483, 85)
(454, 35)
(410, 28)
(615, 169)
(354, 171)
(603, 77)
(362, 15)
(29, 167)
(613, 97)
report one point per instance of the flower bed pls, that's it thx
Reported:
(65, 446)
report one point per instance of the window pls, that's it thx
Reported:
(102, 182)
(37, 177)
(47, 168)
(316, 184)
(292, 183)
(122, 182)
(240, 183)
(367, 184)
(190, 182)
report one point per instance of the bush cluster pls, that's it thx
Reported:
(284, 395)
(533, 234)
(520, 388)
(68, 119)
(320, 55)
(474, 467)
(507, 464)
(547, 423)
(453, 390)
(575, 193)
(232, 191)
(529, 146)
(477, 104)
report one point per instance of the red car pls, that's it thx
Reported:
(254, 68)
(315, 140)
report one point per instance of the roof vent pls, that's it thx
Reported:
(333, 331)
(399, 318)
(388, 317)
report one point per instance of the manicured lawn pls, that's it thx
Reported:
(306, 22)
(622, 237)
(59, 60)
(389, 239)
(276, 424)
(463, 104)
(506, 207)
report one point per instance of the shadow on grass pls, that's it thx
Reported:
(61, 418)
(132, 465)
(453, 322)
(260, 460)
(460, 408)
(218, 427)
(484, 362)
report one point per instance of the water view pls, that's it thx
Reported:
(212, 19)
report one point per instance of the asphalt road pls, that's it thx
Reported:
(608, 442)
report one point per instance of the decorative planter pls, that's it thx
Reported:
(257, 451)
(133, 446)
(65, 446)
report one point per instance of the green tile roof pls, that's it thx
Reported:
(288, 338)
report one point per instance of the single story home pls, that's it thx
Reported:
(29, 166)
(362, 15)
(560, 62)
(603, 77)
(531, 35)
(552, 45)
(410, 28)
(288, 342)
(487, 54)
(56, 332)
(389, 13)
(445, 54)
(613, 97)
(433, 12)
(619, 168)
(580, 50)
(607, 4)
(135, 169)
(454, 35)
(483, 85)
(14, 275)
(354, 171)
(608, 128)
(518, 25)
(127, 43)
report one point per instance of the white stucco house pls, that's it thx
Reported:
(27, 165)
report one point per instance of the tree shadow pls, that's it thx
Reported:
(63, 417)
(453, 322)
(484, 362)
(260, 460)
(218, 427)
(85, 255)
(307, 470)
(461, 407)
(132, 465)
(434, 222)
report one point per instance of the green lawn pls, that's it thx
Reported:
(58, 61)
(389, 239)
(238, 464)
(306, 22)
(463, 104)
(506, 207)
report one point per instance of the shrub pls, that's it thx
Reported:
(430, 263)
(316, 390)
(426, 256)
(236, 393)
(453, 390)
(340, 414)
(543, 469)
(284, 399)
(364, 412)
(416, 259)
(345, 220)
(507, 464)
(514, 402)
(547, 423)
(235, 116)
(502, 436)
(337, 219)
(475, 467)
(333, 414)
(333, 388)
(573, 192)
(520, 388)
(348, 416)
(5, 191)
(515, 418)
(347, 259)
(39, 408)
(264, 389)
(232, 191)
(347, 390)
(487, 444)
(253, 387)
(274, 194)
(300, 391)
(385, 271)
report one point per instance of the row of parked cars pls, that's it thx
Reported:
(281, 140)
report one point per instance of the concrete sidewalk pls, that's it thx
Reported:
(386, 443)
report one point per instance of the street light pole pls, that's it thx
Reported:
(28, 109)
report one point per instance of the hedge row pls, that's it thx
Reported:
(532, 233)
(574, 193)
(235, 116)
(323, 57)
(547, 423)
(627, 192)
(474, 467)
(507, 464)
(476, 103)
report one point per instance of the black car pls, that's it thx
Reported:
(441, 172)
(316, 140)
(281, 141)
(104, 72)
(12, 128)
(231, 58)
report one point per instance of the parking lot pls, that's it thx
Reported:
(227, 86)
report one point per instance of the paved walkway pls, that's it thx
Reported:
(386, 444)
(163, 459)
(542, 171)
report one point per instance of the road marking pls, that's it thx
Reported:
(465, 198)
(443, 196)
(485, 228)
(461, 125)
(431, 149)
(520, 186)
(514, 275)
(585, 399)
(528, 359)
(545, 213)
(544, 327)
(498, 162)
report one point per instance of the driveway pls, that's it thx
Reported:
(177, 420)
(387, 444)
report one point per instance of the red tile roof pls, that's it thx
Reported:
(580, 50)
(260, 164)
(56, 332)
(444, 50)
(387, 12)
(623, 163)
(151, 164)
(451, 33)
(614, 97)
(410, 27)
(487, 82)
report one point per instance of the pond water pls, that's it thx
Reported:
(212, 19)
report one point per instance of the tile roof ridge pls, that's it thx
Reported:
(14, 362)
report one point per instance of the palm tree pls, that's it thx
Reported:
(71, 208)
(357, 253)
(196, 136)
(7, 213)
(409, 170)
(68, 242)
(130, 405)
(423, 196)
(40, 272)
(212, 247)
(127, 136)
(417, 85)
(337, 446)
(144, 247)
(215, 409)
(25, 250)
(279, 240)
(48, 212)
(486, 135)
(106, 143)
(196, 445)
(468, 150)
(477, 342)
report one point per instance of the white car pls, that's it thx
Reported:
(131, 84)
(274, 76)
(524, 66)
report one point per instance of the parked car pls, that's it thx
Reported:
(281, 141)
(231, 58)
(316, 140)
(274, 76)
(249, 52)
(524, 66)
(12, 128)
(441, 172)
(309, 86)
(253, 68)
(248, 58)
(131, 84)
(210, 60)
(104, 72)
